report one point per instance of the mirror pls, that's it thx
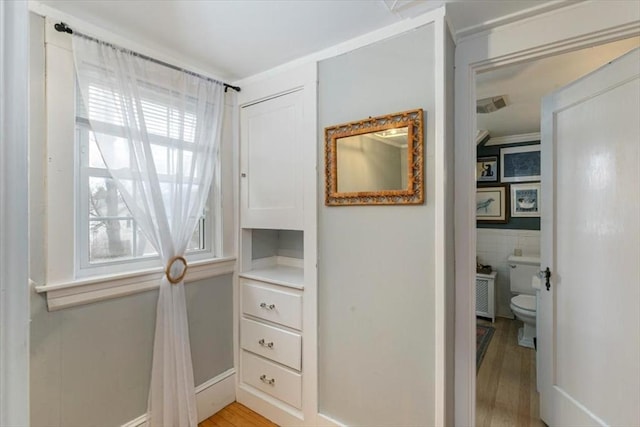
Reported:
(376, 161)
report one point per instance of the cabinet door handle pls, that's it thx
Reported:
(267, 306)
(263, 343)
(270, 381)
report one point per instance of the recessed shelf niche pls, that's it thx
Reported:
(277, 256)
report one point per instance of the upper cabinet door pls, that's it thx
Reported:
(271, 184)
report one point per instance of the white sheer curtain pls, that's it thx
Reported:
(158, 131)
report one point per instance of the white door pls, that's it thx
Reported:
(589, 318)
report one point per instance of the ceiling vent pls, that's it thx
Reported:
(489, 105)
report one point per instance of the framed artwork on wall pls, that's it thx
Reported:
(525, 200)
(487, 169)
(492, 204)
(520, 164)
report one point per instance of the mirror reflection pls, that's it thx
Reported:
(373, 161)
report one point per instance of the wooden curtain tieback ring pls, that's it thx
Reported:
(176, 280)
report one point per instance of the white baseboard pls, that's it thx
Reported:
(138, 422)
(215, 394)
(269, 407)
(211, 397)
(324, 421)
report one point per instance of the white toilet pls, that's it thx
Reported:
(523, 304)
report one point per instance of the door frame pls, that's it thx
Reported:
(574, 27)
(14, 236)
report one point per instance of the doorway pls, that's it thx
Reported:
(473, 57)
(508, 117)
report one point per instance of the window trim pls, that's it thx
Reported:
(60, 284)
(82, 171)
(99, 288)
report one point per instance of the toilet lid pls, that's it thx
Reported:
(524, 302)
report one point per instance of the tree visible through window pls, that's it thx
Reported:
(108, 231)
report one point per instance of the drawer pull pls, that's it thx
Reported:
(265, 344)
(267, 306)
(270, 381)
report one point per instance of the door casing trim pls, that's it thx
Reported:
(568, 29)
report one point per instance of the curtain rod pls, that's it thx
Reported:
(63, 28)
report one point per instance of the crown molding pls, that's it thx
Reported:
(481, 135)
(513, 139)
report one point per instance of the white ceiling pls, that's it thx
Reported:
(233, 39)
(525, 85)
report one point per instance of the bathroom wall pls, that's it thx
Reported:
(497, 241)
(493, 248)
(518, 223)
(376, 308)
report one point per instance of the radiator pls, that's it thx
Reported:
(485, 295)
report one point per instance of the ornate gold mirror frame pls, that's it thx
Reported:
(405, 131)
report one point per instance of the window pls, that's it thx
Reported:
(92, 249)
(107, 236)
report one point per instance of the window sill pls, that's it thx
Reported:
(85, 291)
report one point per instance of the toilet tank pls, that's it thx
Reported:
(522, 269)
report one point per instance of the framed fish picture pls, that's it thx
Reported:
(492, 204)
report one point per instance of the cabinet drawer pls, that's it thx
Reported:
(273, 343)
(272, 379)
(273, 305)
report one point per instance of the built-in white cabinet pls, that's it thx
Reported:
(271, 339)
(486, 295)
(272, 290)
(276, 286)
(271, 194)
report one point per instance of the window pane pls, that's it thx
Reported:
(105, 199)
(115, 150)
(160, 158)
(143, 245)
(105, 105)
(114, 235)
(110, 239)
(95, 158)
(197, 238)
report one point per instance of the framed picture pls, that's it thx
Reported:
(525, 200)
(492, 204)
(520, 164)
(487, 169)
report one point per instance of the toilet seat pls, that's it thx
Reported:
(524, 302)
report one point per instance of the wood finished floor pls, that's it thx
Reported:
(506, 383)
(236, 415)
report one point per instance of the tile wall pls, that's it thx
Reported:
(493, 248)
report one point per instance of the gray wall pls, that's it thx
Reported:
(90, 365)
(376, 263)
